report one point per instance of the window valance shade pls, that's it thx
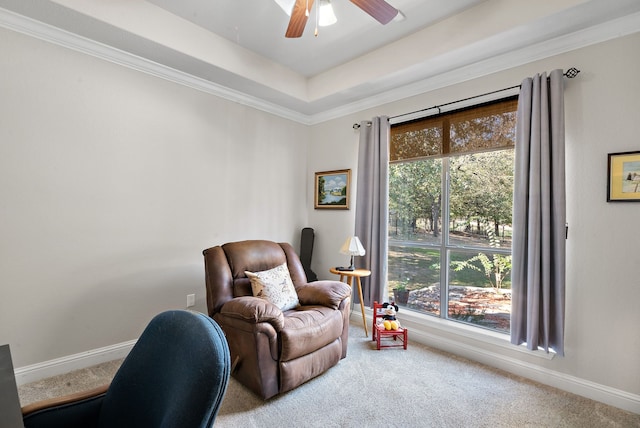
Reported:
(460, 131)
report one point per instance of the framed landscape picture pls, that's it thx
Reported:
(624, 177)
(332, 189)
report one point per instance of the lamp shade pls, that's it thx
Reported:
(352, 247)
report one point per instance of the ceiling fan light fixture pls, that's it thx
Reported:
(326, 15)
(286, 5)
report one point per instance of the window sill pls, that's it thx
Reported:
(426, 325)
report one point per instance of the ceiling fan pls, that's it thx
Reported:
(380, 10)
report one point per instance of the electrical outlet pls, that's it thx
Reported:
(191, 300)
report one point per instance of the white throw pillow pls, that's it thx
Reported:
(274, 285)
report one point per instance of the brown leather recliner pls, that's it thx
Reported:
(275, 351)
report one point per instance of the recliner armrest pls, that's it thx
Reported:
(324, 293)
(254, 310)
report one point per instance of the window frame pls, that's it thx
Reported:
(444, 246)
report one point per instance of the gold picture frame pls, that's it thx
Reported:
(332, 190)
(623, 177)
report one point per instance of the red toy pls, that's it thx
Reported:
(386, 313)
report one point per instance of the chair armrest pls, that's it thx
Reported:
(254, 310)
(324, 293)
(79, 409)
(65, 399)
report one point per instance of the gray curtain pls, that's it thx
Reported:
(372, 202)
(539, 216)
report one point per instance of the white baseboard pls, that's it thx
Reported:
(70, 363)
(444, 339)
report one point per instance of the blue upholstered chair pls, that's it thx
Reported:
(175, 376)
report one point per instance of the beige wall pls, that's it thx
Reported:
(603, 277)
(112, 182)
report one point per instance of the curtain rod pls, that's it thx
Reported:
(570, 74)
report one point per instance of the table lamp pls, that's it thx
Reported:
(352, 247)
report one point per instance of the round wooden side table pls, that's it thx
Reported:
(349, 275)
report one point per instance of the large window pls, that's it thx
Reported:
(450, 209)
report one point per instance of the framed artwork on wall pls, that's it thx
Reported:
(623, 177)
(332, 189)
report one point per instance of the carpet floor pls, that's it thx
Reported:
(419, 387)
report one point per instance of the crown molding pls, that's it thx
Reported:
(599, 33)
(55, 35)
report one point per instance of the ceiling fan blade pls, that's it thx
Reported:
(382, 11)
(299, 18)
